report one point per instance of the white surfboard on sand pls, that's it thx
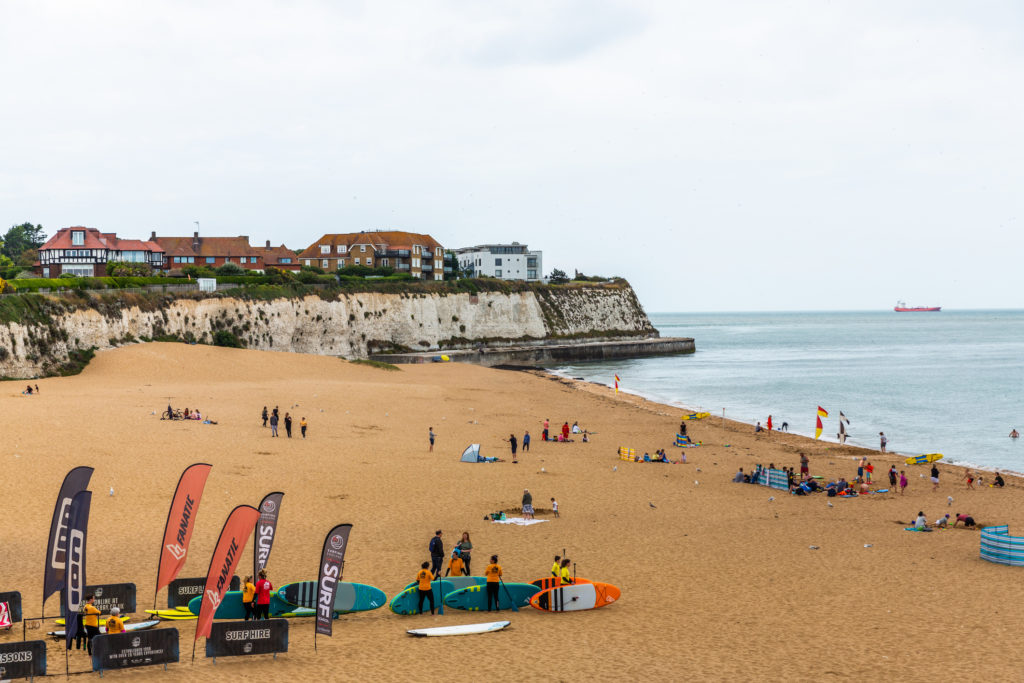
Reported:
(463, 630)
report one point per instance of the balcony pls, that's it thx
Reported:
(427, 266)
(397, 253)
(401, 266)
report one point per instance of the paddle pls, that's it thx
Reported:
(510, 600)
(440, 592)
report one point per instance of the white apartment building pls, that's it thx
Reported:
(506, 261)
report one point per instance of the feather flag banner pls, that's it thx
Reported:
(616, 384)
(843, 421)
(818, 426)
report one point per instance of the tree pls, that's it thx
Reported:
(28, 258)
(558, 277)
(21, 238)
(230, 269)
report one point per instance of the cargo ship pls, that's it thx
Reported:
(903, 308)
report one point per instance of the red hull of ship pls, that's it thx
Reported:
(920, 309)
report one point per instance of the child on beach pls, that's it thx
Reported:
(892, 477)
(302, 425)
(970, 479)
(935, 477)
(903, 482)
(554, 506)
(869, 469)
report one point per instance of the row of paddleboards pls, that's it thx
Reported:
(470, 593)
(290, 600)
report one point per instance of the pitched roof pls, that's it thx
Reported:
(272, 255)
(94, 239)
(379, 239)
(208, 246)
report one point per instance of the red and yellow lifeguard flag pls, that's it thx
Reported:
(616, 384)
(822, 412)
(818, 426)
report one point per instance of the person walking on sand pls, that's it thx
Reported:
(935, 477)
(302, 426)
(512, 442)
(526, 441)
(903, 482)
(465, 547)
(804, 466)
(544, 435)
(768, 424)
(264, 416)
(436, 548)
(527, 504)
(892, 477)
(430, 435)
(263, 590)
(288, 424)
(273, 424)
(882, 441)
(970, 479)
(493, 574)
(424, 578)
(554, 506)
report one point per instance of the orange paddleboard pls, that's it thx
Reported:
(577, 597)
(551, 582)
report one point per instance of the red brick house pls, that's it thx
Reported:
(211, 252)
(280, 257)
(84, 252)
(406, 252)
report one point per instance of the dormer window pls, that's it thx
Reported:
(78, 237)
(342, 248)
(325, 249)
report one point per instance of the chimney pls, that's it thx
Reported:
(195, 241)
(152, 236)
(268, 244)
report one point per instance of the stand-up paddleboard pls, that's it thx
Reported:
(923, 459)
(474, 598)
(231, 607)
(171, 614)
(552, 582)
(574, 598)
(457, 582)
(407, 601)
(137, 626)
(696, 416)
(463, 630)
(348, 597)
(103, 621)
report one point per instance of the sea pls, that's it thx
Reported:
(950, 382)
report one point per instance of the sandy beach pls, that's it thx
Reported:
(718, 581)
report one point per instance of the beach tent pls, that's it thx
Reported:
(471, 454)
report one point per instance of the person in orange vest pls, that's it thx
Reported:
(425, 577)
(114, 622)
(493, 574)
(248, 595)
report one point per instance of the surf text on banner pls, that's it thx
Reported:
(56, 546)
(226, 555)
(74, 580)
(181, 520)
(266, 529)
(239, 638)
(332, 565)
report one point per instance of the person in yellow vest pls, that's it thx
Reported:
(114, 622)
(456, 566)
(248, 595)
(91, 621)
(425, 577)
(303, 424)
(493, 574)
(566, 576)
(556, 568)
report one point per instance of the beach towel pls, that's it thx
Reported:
(518, 521)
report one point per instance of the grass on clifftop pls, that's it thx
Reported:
(375, 364)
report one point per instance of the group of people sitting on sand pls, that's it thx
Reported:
(921, 523)
(29, 390)
(172, 414)
(565, 434)
(661, 456)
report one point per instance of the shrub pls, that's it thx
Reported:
(128, 269)
(230, 269)
(312, 269)
(228, 339)
(197, 271)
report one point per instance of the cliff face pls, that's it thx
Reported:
(349, 325)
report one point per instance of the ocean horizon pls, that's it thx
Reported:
(946, 382)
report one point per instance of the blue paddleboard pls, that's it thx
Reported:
(474, 598)
(406, 601)
(348, 597)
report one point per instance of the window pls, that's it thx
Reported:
(531, 274)
(177, 259)
(362, 247)
(384, 262)
(78, 238)
(357, 260)
(210, 259)
(78, 271)
(307, 262)
(341, 263)
(531, 262)
(324, 264)
(416, 249)
(437, 251)
(415, 263)
(497, 261)
(342, 248)
(285, 260)
(227, 259)
(325, 249)
(437, 264)
(497, 273)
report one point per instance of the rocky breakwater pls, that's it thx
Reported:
(42, 335)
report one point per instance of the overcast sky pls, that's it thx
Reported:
(721, 156)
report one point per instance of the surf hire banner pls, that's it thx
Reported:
(266, 529)
(74, 578)
(181, 521)
(56, 546)
(332, 564)
(228, 552)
